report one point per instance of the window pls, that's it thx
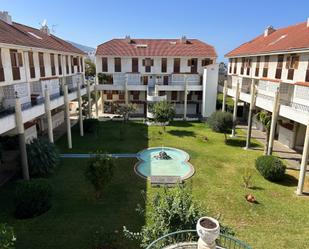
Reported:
(174, 95)
(16, 62)
(257, 68)
(193, 64)
(230, 65)
(176, 65)
(59, 64)
(135, 95)
(72, 64)
(104, 64)
(164, 65)
(31, 65)
(118, 65)
(41, 64)
(52, 64)
(235, 65)
(279, 66)
(67, 68)
(242, 67)
(206, 62)
(265, 68)
(82, 64)
(2, 78)
(76, 62)
(306, 79)
(248, 64)
(292, 64)
(148, 63)
(134, 65)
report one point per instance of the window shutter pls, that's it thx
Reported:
(152, 62)
(296, 62)
(143, 62)
(288, 60)
(20, 60)
(189, 63)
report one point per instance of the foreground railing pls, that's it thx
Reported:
(188, 239)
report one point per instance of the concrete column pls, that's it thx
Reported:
(96, 104)
(89, 99)
(67, 114)
(80, 110)
(185, 99)
(303, 165)
(274, 118)
(22, 139)
(251, 108)
(224, 96)
(103, 101)
(126, 92)
(48, 116)
(235, 110)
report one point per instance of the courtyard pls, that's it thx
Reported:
(279, 220)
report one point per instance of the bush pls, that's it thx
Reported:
(32, 198)
(270, 167)
(90, 125)
(99, 172)
(43, 157)
(221, 122)
(7, 237)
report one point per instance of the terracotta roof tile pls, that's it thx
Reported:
(19, 34)
(294, 37)
(156, 47)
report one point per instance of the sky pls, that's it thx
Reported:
(223, 24)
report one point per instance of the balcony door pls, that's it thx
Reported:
(165, 79)
(145, 80)
(134, 65)
(194, 65)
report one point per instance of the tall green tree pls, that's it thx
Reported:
(163, 112)
(126, 110)
(90, 68)
(264, 118)
(221, 122)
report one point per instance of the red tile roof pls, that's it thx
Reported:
(156, 47)
(19, 34)
(294, 37)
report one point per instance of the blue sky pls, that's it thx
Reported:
(224, 24)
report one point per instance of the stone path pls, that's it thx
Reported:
(292, 157)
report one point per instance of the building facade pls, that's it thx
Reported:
(143, 71)
(34, 62)
(276, 63)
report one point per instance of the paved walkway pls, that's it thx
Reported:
(292, 157)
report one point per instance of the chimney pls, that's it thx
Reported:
(4, 16)
(128, 39)
(45, 28)
(308, 22)
(183, 39)
(269, 30)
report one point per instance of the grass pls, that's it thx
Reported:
(281, 220)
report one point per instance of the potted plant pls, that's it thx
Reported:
(208, 230)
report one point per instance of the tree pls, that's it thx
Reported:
(7, 237)
(264, 118)
(99, 172)
(90, 69)
(43, 157)
(126, 110)
(163, 112)
(221, 122)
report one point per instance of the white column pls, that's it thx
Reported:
(224, 96)
(80, 110)
(48, 116)
(96, 104)
(103, 101)
(185, 99)
(303, 165)
(274, 118)
(126, 93)
(235, 110)
(89, 99)
(252, 106)
(67, 114)
(22, 139)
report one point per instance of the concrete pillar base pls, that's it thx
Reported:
(202, 245)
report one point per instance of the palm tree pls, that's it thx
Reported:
(264, 118)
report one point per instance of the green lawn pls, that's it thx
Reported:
(281, 220)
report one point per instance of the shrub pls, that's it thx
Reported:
(221, 122)
(32, 198)
(90, 125)
(270, 167)
(99, 172)
(43, 157)
(7, 237)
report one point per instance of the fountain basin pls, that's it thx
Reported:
(177, 165)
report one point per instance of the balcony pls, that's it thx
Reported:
(187, 239)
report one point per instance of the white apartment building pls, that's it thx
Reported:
(143, 71)
(31, 61)
(277, 60)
